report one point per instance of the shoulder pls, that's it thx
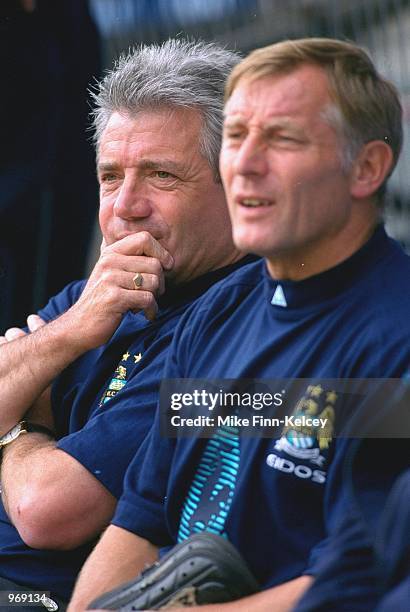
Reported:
(232, 289)
(388, 287)
(381, 306)
(63, 300)
(226, 301)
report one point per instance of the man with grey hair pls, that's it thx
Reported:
(330, 301)
(86, 379)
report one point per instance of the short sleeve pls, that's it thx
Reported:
(141, 508)
(108, 441)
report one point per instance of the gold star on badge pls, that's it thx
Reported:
(311, 406)
(125, 356)
(331, 397)
(137, 358)
(315, 391)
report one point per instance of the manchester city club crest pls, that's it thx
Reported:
(119, 380)
(302, 439)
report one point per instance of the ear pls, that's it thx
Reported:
(370, 169)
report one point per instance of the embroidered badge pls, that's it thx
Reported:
(302, 439)
(119, 379)
(306, 437)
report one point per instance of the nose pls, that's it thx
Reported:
(251, 157)
(131, 202)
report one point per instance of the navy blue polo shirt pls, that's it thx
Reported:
(369, 561)
(277, 500)
(103, 405)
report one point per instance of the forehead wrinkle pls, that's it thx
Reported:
(292, 99)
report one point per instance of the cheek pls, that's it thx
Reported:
(105, 214)
(225, 165)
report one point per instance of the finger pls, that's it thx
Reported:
(3, 340)
(145, 303)
(103, 245)
(148, 282)
(34, 322)
(142, 243)
(13, 333)
(139, 263)
(115, 280)
(148, 266)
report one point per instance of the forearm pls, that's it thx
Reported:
(29, 364)
(118, 557)
(281, 598)
(51, 498)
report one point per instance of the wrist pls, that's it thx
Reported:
(21, 428)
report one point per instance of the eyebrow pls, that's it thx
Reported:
(146, 164)
(164, 164)
(277, 123)
(274, 122)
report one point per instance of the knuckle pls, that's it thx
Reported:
(155, 283)
(105, 260)
(145, 236)
(111, 294)
(147, 299)
(107, 276)
(157, 268)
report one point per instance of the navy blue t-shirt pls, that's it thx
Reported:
(103, 405)
(275, 500)
(369, 560)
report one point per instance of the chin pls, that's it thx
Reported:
(245, 242)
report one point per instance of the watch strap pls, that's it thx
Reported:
(24, 427)
(36, 428)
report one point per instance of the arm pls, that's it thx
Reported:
(281, 598)
(31, 363)
(121, 555)
(46, 486)
(52, 500)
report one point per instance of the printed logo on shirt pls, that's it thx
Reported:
(279, 297)
(306, 441)
(210, 495)
(119, 379)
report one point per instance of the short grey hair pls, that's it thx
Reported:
(177, 73)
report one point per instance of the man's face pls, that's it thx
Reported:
(280, 163)
(153, 178)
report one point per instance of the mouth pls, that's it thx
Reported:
(255, 203)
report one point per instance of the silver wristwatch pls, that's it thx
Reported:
(22, 428)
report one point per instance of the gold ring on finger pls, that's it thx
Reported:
(138, 280)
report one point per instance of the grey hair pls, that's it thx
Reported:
(177, 73)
